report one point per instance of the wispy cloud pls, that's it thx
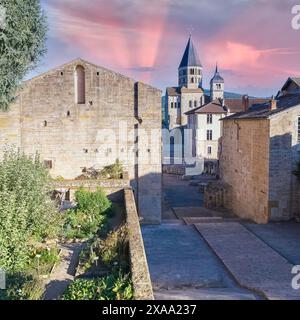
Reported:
(251, 39)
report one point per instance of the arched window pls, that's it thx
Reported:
(80, 85)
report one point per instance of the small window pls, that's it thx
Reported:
(98, 73)
(68, 114)
(172, 105)
(209, 135)
(45, 123)
(209, 150)
(195, 103)
(192, 80)
(209, 119)
(48, 164)
(175, 105)
(178, 105)
(85, 150)
(61, 73)
(191, 104)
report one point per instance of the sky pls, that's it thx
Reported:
(252, 40)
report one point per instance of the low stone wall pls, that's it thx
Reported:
(139, 266)
(112, 187)
(174, 169)
(218, 195)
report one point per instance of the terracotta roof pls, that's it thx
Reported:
(236, 105)
(196, 90)
(211, 107)
(263, 111)
(173, 91)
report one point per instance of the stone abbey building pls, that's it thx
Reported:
(80, 115)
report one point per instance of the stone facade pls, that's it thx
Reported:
(260, 149)
(73, 126)
(244, 165)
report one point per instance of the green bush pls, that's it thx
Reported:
(43, 259)
(89, 216)
(22, 286)
(114, 250)
(113, 171)
(22, 43)
(112, 287)
(27, 214)
(92, 202)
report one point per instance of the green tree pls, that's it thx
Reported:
(22, 43)
(27, 214)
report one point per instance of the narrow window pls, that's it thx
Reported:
(178, 105)
(191, 104)
(68, 114)
(192, 80)
(209, 118)
(209, 135)
(175, 105)
(45, 123)
(172, 105)
(195, 103)
(80, 85)
(209, 150)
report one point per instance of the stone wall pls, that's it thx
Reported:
(218, 195)
(113, 188)
(284, 155)
(139, 267)
(47, 119)
(244, 165)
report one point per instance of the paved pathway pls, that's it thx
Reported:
(251, 261)
(64, 272)
(183, 267)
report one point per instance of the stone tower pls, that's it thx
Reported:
(190, 68)
(216, 86)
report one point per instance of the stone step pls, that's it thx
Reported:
(205, 294)
(252, 263)
(197, 220)
(172, 221)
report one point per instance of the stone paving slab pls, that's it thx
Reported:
(205, 294)
(178, 257)
(195, 212)
(284, 237)
(64, 272)
(252, 263)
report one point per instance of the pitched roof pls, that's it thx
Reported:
(236, 105)
(211, 107)
(263, 111)
(217, 77)
(190, 57)
(291, 80)
(173, 91)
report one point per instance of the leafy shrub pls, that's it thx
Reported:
(95, 202)
(112, 287)
(22, 43)
(27, 213)
(113, 171)
(114, 250)
(22, 286)
(89, 216)
(43, 259)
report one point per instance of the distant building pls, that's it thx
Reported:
(259, 151)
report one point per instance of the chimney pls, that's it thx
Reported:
(273, 104)
(245, 101)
